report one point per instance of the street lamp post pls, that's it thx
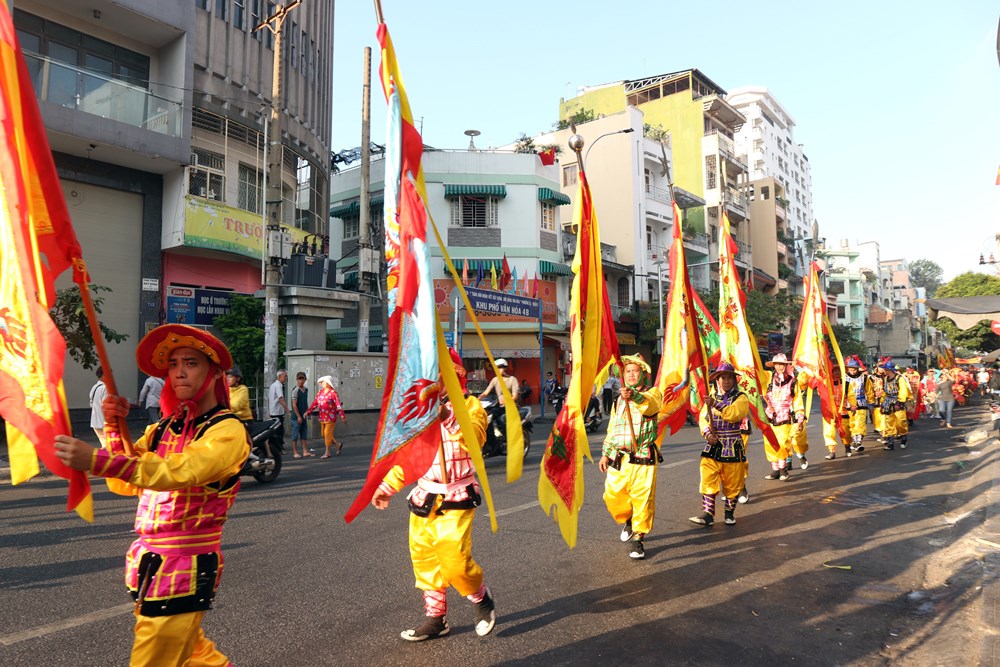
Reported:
(626, 130)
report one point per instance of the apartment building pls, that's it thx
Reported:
(845, 286)
(702, 125)
(155, 113)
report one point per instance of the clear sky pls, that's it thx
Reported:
(896, 103)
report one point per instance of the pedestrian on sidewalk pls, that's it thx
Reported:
(327, 404)
(149, 398)
(239, 395)
(610, 392)
(723, 460)
(300, 421)
(97, 395)
(442, 508)
(946, 397)
(186, 471)
(276, 405)
(629, 455)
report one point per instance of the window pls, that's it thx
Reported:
(292, 41)
(548, 217)
(841, 312)
(239, 14)
(248, 197)
(201, 4)
(303, 67)
(649, 237)
(220, 8)
(352, 226)
(471, 211)
(206, 175)
(836, 287)
(268, 35)
(570, 175)
(623, 293)
(765, 192)
(255, 18)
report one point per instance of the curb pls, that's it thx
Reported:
(989, 648)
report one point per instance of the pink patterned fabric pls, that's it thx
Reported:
(459, 465)
(327, 403)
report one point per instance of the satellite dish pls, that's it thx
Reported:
(472, 134)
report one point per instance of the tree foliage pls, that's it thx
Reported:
(927, 274)
(979, 336)
(765, 312)
(578, 118)
(242, 330)
(849, 345)
(70, 318)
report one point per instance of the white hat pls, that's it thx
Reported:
(327, 379)
(501, 362)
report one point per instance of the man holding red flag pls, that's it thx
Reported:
(186, 468)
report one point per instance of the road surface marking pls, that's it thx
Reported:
(676, 463)
(58, 626)
(518, 508)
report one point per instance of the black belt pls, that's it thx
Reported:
(651, 461)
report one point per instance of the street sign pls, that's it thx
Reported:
(489, 302)
(449, 338)
(995, 327)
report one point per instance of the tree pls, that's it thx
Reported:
(927, 274)
(979, 336)
(579, 118)
(70, 318)
(765, 312)
(242, 330)
(525, 144)
(849, 345)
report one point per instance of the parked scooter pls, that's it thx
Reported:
(593, 418)
(557, 398)
(266, 449)
(496, 431)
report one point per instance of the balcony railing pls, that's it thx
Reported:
(697, 240)
(89, 92)
(736, 201)
(658, 194)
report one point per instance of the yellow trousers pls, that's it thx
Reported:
(783, 434)
(830, 435)
(878, 419)
(729, 478)
(441, 552)
(799, 440)
(169, 641)
(896, 424)
(327, 428)
(859, 423)
(631, 493)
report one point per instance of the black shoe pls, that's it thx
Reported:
(774, 475)
(889, 446)
(730, 517)
(783, 474)
(627, 532)
(744, 496)
(433, 626)
(703, 519)
(859, 449)
(486, 615)
(636, 550)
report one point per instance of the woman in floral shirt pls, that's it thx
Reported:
(327, 404)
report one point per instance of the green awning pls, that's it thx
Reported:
(553, 268)
(345, 209)
(550, 195)
(377, 199)
(345, 263)
(478, 189)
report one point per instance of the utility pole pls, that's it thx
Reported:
(365, 268)
(275, 249)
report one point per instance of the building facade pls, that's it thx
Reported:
(154, 115)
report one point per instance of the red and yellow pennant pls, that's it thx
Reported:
(34, 222)
(736, 340)
(595, 347)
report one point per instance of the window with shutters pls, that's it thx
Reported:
(548, 217)
(248, 196)
(207, 175)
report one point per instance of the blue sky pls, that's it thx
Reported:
(896, 103)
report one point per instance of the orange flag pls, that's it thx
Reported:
(33, 222)
(595, 348)
(683, 373)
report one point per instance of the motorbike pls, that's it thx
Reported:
(266, 448)
(557, 398)
(593, 419)
(496, 432)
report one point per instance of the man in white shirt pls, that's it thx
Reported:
(276, 406)
(513, 386)
(97, 395)
(149, 397)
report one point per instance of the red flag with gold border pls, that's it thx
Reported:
(33, 222)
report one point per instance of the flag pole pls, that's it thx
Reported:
(82, 281)
(378, 11)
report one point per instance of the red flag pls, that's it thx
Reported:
(465, 271)
(548, 158)
(595, 347)
(504, 274)
(534, 286)
(33, 221)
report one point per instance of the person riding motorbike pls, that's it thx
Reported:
(513, 387)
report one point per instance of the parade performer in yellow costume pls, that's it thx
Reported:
(630, 456)
(723, 461)
(784, 411)
(895, 393)
(859, 397)
(830, 434)
(442, 507)
(185, 469)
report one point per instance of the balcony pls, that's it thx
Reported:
(697, 242)
(782, 248)
(736, 202)
(658, 194)
(82, 90)
(780, 212)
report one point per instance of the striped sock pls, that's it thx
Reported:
(730, 504)
(708, 504)
(435, 602)
(478, 596)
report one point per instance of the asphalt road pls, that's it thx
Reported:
(860, 561)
